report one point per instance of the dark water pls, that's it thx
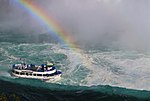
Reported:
(29, 93)
(94, 75)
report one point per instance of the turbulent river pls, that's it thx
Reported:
(105, 71)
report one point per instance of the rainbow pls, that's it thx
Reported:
(48, 21)
(51, 24)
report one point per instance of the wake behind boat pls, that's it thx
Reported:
(46, 72)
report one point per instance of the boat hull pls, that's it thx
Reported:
(35, 75)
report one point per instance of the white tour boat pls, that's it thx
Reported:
(45, 72)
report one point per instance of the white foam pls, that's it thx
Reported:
(117, 68)
(130, 73)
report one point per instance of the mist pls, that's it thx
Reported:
(108, 23)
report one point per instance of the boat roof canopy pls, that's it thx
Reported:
(49, 64)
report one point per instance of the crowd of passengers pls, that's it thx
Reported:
(42, 68)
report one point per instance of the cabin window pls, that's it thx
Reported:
(30, 74)
(44, 74)
(51, 74)
(39, 74)
(17, 72)
(27, 74)
(22, 73)
(34, 74)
